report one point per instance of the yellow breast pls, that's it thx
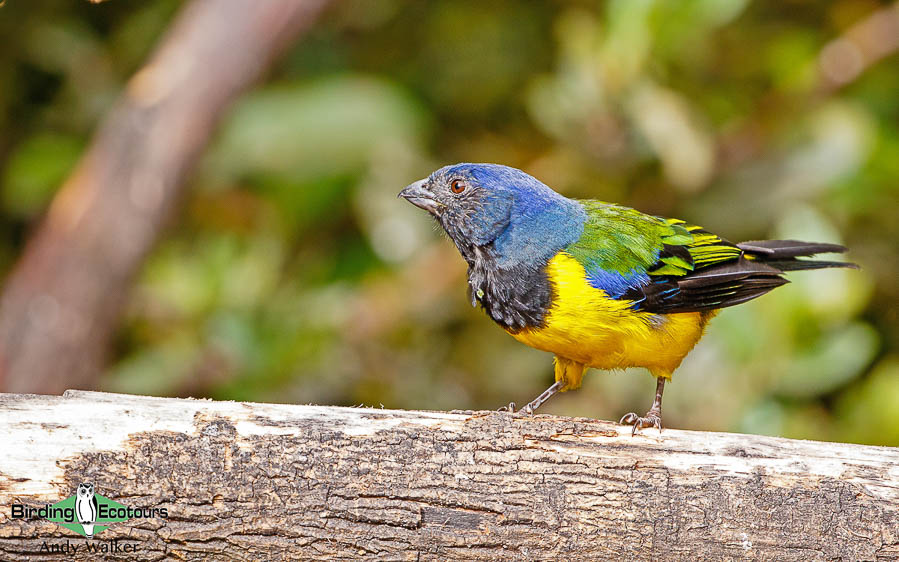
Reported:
(585, 326)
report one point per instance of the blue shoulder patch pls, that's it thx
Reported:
(615, 284)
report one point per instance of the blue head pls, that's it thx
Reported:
(488, 206)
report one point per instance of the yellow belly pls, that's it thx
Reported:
(584, 327)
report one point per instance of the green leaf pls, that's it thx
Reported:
(314, 130)
(36, 169)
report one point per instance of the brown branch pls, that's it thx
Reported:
(872, 39)
(245, 481)
(62, 302)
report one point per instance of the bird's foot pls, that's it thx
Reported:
(526, 411)
(653, 418)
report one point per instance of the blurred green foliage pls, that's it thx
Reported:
(293, 274)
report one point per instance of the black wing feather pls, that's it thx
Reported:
(713, 287)
(776, 249)
(757, 270)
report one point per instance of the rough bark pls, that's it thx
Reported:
(263, 481)
(61, 304)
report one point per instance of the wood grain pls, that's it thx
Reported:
(245, 481)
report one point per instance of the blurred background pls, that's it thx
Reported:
(289, 272)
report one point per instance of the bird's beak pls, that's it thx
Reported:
(416, 194)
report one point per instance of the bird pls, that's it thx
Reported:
(597, 284)
(86, 508)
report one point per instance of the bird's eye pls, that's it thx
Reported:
(458, 186)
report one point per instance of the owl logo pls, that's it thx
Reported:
(86, 508)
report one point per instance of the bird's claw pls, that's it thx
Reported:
(651, 419)
(525, 411)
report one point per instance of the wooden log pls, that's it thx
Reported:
(267, 481)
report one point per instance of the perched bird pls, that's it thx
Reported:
(597, 284)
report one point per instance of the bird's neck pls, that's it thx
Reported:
(508, 276)
(516, 297)
(540, 227)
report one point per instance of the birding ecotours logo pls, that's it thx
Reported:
(86, 512)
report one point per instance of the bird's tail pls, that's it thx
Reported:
(785, 254)
(88, 530)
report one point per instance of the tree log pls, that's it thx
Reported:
(267, 481)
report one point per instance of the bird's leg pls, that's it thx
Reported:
(544, 396)
(653, 417)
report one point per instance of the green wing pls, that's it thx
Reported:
(623, 249)
(700, 249)
(620, 245)
(667, 265)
